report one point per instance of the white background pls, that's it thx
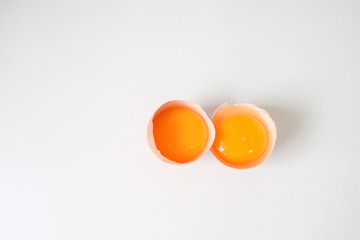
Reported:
(79, 81)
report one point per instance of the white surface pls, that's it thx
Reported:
(80, 79)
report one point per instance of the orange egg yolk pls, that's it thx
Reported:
(180, 134)
(239, 139)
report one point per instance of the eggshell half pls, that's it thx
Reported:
(192, 106)
(226, 110)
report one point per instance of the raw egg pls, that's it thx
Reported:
(245, 135)
(180, 132)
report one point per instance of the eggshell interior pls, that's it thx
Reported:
(192, 106)
(226, 110)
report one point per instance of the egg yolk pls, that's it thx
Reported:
(239, 139)
(180, 134)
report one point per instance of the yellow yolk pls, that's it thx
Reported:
(240, 139)
(180, 134)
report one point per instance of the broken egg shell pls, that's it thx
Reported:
(226, 110)
(189, 105)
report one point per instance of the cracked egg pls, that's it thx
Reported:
(245, 135)
(180, 132)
